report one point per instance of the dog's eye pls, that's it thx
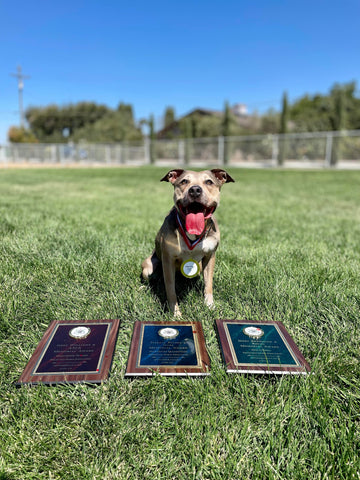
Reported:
(209, 182)
(184, 182)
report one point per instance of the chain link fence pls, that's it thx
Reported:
(315, 149)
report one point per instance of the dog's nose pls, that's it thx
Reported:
(195, 191)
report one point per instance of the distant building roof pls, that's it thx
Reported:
(240, 109)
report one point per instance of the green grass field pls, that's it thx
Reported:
(71, 244)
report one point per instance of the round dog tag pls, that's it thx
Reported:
(190, 268)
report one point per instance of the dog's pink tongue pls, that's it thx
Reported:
(195, 223)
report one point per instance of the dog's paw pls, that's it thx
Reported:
(209, 300)
(145, 274)
(176, 311)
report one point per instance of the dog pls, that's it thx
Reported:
(189, 236)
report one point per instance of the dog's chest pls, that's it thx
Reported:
(198, 250)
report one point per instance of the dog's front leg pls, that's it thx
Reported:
(208, 264)
(168, 265)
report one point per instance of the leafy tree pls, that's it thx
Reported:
(321, 112)
(338, 110)
(83, 121)
(351, 106)
(269, 122)
(126, 112)
(21, 135)
(114, 127)
(50, 123)
(200, 126)
(207, 126)
(311, 114)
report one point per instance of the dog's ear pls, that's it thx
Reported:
(222, 176)
(172, 175)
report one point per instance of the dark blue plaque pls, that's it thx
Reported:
(175, 349)
(167, 348)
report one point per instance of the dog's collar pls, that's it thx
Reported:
(191, 244)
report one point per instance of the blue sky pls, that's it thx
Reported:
(185, 54)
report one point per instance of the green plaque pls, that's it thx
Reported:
(259, 347)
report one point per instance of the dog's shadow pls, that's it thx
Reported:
(183, 286)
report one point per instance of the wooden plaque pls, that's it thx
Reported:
(259, 347)
(167, 348)
(72, 352)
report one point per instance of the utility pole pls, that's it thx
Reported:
(20, 77)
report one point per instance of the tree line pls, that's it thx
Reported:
(91, 122)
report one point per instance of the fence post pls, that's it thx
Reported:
(118, 154)
(282, 150)
(181, 152)
(108, 154)
(147, 151)
(57, 153)
(188, 150)
(124, 153)
(14, 154)
(62, 157)
(152, 150)
(275, 149)
(221, 150)
(53, 154)
(328, 151)
(3, 155)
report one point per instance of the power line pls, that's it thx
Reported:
(20, 77)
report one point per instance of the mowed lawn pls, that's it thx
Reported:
(71, 245)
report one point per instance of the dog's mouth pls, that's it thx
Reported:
(195, 215)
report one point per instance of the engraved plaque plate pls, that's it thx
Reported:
(167, 348)
(259, 347)
(73, 351)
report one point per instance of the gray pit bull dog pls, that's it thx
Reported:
(189, 232)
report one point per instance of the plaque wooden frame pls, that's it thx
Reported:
(139, 343)
(56, 359)
(284, 341)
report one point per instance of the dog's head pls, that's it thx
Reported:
(197, 195)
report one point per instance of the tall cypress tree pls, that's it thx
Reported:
(226, 131)
(338, 122)
(169, 116)
(284, 118)
(226, 120)
(152, 139)
(188, 141)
